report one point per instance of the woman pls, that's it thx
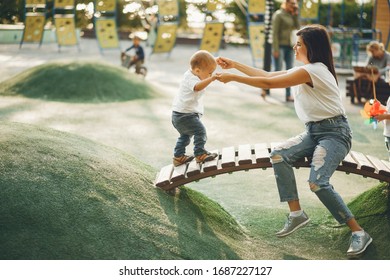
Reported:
(327, 138)
(378, 58)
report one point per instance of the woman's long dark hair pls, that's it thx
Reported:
(317, 42)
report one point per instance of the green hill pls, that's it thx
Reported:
(78, 82)
(65, 197)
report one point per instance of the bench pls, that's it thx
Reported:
(246, 157)
(358, 89)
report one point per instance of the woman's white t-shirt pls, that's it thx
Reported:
(323, 100)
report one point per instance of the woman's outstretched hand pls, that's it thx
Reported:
(225, 63)
(224, 77)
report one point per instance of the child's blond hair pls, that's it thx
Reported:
(202, 59)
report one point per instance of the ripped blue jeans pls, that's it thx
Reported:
(327, 142)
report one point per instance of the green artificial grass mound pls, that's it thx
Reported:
(372, 211)
(78, 82)
(66, 197)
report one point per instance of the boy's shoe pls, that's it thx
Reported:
(292, 224)
(358, 244)
(206, 157)
(177, 161)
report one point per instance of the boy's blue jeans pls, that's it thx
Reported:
(327, 142)
(188, 125)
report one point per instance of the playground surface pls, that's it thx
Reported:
(234, 115)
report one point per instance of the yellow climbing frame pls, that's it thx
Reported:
(256, 40)
(212, 37)
(256, 6)
(106, 33)
(105, 5)
(62, 4)
(34, 25)
(309, 9)
(65, 30)
(168, 7)
(166, 38)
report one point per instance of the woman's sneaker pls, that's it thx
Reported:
(177, 161)
(292, 224)
(206, 157)
(359, 244)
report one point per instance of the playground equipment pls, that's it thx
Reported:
(167, 23)
(213, 29)
(231, 160)
(105, 24)
(34, 22)
(255, 17)
(309, 10)
(64, 21)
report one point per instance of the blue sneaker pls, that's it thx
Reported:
(358, 244)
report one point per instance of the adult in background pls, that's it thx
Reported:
(284, 21)
(379, 59)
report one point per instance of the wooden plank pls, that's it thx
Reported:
(164, 176)
(261, 153)
(349, 161)
(211, 165)
(179, 172)
(193, 169)
(387, 164)
(244, 154)
(363, 162)
(228, 157)
(376, 162)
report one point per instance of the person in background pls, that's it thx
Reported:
(327, 138)
(379, 59)
(139, 57)
(284, 22)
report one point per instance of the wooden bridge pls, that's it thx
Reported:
(246, 157)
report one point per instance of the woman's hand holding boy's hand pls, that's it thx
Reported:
(224, 77)
(225, 63)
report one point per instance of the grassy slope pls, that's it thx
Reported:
(330, 240)
(78, 82)
(65, 197)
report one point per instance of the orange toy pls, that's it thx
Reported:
(373, 107)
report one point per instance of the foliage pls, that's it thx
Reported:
(334, 15)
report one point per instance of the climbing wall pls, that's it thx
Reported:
(64, 22)
(105, 24)
(167, 24)
(34, 21)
